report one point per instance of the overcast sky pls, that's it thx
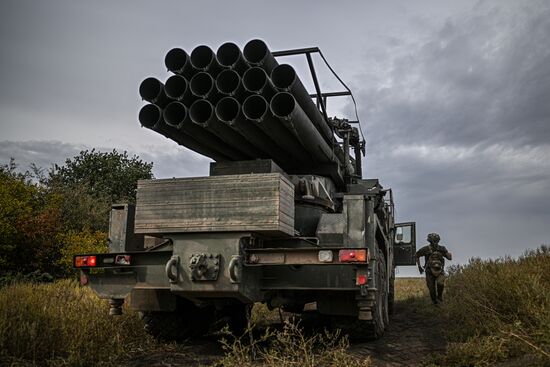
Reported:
(453, 96)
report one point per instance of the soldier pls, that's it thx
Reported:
(434, 264)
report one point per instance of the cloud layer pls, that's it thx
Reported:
(453, 96)
(458, 123)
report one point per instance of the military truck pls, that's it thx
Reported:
(284, 218)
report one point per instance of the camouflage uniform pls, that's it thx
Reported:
(435, 282)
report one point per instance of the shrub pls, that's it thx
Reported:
(499, 309)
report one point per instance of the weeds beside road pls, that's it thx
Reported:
(495, 312)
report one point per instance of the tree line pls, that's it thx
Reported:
(48, 216)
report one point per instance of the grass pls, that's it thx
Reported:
(495, 311)
(498, 310)
(289, 347)
(63, 324)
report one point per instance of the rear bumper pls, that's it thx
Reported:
(189, 268)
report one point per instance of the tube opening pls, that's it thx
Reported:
(228, 54)
(149, 89)
(201, 112)
(201, 57)
(176, 86)
(202, 84)
(228, 82)
(283, 76)
(176, 59)
(149, 115)
(255, 51)
(227, 109)
(255, 108)
(255, 79)
(282, 104)
(175, 113)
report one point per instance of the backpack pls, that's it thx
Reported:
(435, 263)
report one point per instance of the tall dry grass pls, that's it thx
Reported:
(289, 347)
(63, 324)
(499, 309)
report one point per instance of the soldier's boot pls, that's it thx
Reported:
(440, 288)
(430, 282)
(433, 295)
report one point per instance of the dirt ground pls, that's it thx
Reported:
(410, 338)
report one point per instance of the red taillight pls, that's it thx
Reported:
(353, 255)
(85, 261)
(361, 279)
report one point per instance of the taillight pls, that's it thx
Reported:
(353, 255)
(85, 261)
(361, 279)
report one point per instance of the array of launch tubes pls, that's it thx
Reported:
(234, 105)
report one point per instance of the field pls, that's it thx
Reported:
(496, 313)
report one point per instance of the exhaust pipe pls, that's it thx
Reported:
(256, 53)
(255, 80)
(230, 57)
(256, 110)
(285, 79)
(204, 59)
(286, 108)
(152, 90)
(177, 88)
(228, 83)
(202, 114)
(177, 61)
(202, 85)
(151, 117)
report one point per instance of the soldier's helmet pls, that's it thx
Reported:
(433, 238)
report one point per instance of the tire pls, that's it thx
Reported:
(391, 294)
(383, 290)
(187, 321)
(368, 330)
(234, 316)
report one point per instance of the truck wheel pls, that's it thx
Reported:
(391, 294)
(234, 316)
(187, 321)
(376, 326)
(384, 293)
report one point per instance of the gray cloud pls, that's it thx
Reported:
(453, 95)
(458, 124)
(482, 79)
(172, 161)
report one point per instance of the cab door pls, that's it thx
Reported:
(404, 244)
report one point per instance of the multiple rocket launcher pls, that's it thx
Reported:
(233, 105)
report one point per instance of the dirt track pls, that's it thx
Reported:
(410, 337)
(408, 340)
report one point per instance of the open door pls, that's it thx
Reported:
(404, 245)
